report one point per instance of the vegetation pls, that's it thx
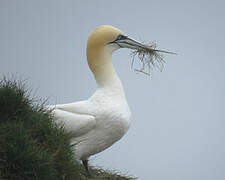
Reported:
(149, 57)
(32, 145)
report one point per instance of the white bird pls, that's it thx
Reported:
(104, 118)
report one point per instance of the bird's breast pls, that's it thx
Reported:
(114, 119)
(112, 110)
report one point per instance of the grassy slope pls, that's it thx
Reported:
(32, 146)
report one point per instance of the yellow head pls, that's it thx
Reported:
(98, 44)
(101, 36)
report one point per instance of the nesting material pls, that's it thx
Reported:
(149, 57)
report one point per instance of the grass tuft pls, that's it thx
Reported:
(32, 145)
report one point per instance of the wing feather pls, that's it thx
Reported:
(77, 124)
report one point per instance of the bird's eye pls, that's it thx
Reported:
(121, 37)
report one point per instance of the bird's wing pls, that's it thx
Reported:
(77, 124)
(80, 107)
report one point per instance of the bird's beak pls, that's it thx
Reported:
(126, 42)
(130, 43)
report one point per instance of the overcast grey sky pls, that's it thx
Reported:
(178, 128)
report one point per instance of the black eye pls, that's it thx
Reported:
(121, 37)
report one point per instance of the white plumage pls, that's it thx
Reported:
(96, 123)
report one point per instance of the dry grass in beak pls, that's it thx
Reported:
(149, 58)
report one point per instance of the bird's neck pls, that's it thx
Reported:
(101, 66)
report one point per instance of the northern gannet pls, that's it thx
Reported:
(104, 118)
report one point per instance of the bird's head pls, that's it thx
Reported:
(109, 39)
(101, 37)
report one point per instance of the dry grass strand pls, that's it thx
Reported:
(149, 58)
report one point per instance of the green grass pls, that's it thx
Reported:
(32, 145)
